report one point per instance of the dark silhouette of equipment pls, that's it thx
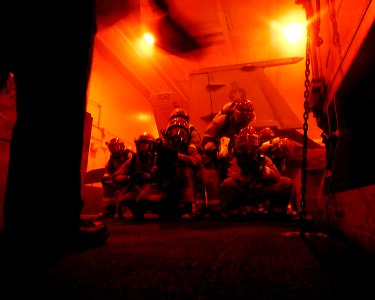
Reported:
(171, 35)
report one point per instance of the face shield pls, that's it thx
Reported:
(246, 147)
(116, 147)
(144, 146)
(177, 135)
(243, 118)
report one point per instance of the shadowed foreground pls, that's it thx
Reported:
(252, 259)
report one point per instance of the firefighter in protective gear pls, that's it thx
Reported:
(253, 179)
(228, 122)
(194, 138)
(119, 154)
(178, 164)
(217, 142)
(138, 176)
(279, 149)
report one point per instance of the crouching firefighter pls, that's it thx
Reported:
(141, 191)
(178, 162)
(253, 179)
(119, 155)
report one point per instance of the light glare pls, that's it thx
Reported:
(293, 33)
(145, 44)
(149, 38)
(143, 117)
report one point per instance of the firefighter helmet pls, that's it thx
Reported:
(243, 110)
(115, 145)
(146, 142)
(266, 134)
(244, 105)
(180, 112)
(247, 140)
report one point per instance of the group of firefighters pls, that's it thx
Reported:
(229, 171)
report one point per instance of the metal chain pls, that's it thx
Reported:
(318, 41)
(302, 213)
